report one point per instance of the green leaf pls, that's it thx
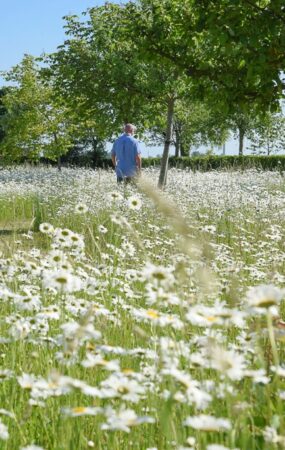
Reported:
(242, 63)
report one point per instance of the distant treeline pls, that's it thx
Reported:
(202, 163)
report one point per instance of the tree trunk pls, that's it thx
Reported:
(165, 155)
(184, 151)
(177, 144)
(58, 158)
(94, 144)
(59, 163)
(177, 140)
(241, 141)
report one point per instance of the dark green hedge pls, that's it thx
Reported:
(274, 162)
(201, 163)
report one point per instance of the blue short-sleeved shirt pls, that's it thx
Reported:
(126, 149)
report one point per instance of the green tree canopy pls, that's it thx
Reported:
(99, 70)
(231, 49)
(37, 122)
(268, 136)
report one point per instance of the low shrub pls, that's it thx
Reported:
(206, 163)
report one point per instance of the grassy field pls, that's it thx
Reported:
(136, 319)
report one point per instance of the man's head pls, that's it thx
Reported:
(129, 128)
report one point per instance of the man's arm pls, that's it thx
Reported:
(139, 162)
(138, 157)
(113, 155)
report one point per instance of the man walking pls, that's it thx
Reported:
(126, 155)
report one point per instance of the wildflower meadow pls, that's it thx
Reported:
(133, 318)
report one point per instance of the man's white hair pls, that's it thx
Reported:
(129, 128)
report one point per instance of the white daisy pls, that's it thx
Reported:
(134, 202)
(46, 228)
(204, 422)
(81, 208)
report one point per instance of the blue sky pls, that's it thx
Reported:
(34, 26)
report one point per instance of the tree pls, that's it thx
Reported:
(234, 50)
(37, 122)
(242, 123)
(99, 70)
(269, 135)
(198, 123)
(195, 123)
(87, 149)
